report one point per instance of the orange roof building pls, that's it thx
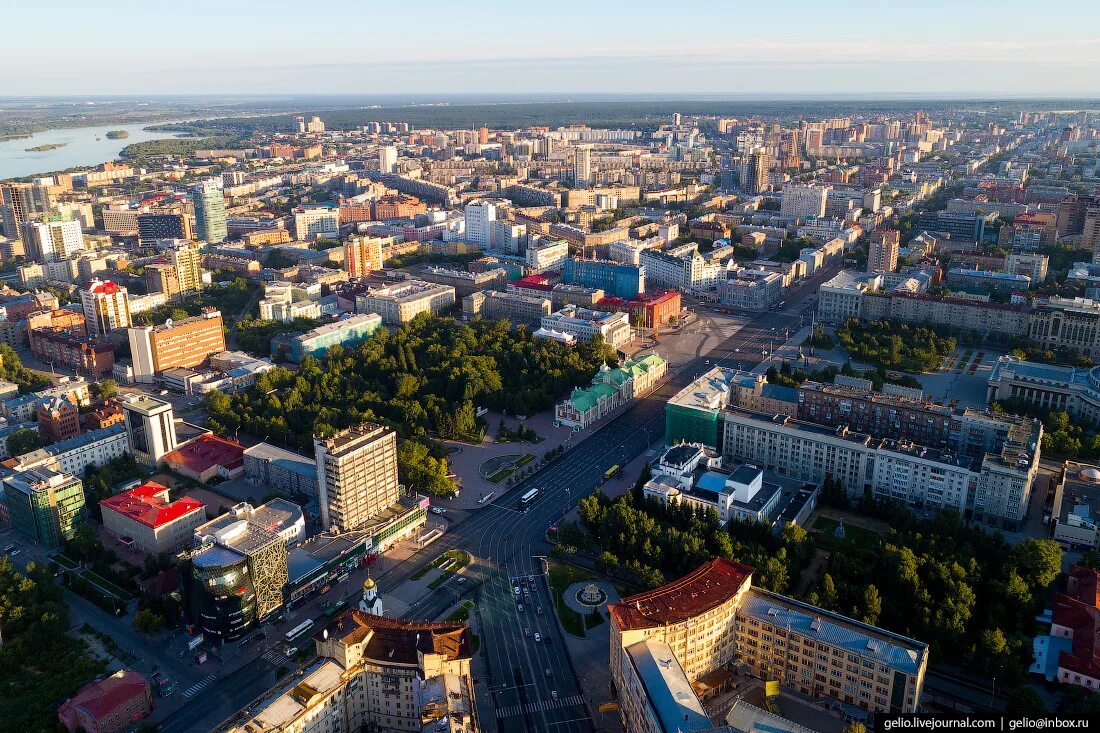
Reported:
(208, 456)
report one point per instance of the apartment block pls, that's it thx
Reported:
(187, 343)
(400, 303)
(517, 308)
(356, 475)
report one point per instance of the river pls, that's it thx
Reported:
(83, 146)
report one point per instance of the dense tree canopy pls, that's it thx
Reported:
(40, 664)
(424, 379)
(895, 345)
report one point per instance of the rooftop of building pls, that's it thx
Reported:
(284, 704)
(398, 641)
(667, 687)
(810, 622)
(286, 459)
(1078, 502)
(572, 313)
(100, 698)
(709, 392)
(363, 319)
(701, 590)
(274, 515)
(230, 543)
(353, 438)
(207, 451)
(148, 504)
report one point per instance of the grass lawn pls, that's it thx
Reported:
(460, 557)
(561, 577)
(500, 475)
(852, 533)
(475, 643)
(594, 619)
(462, 613)
(108, 586)
(527, 458)
(65, 562)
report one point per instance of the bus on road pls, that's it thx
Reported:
(610, 473)
(298, 631)
(529, 497)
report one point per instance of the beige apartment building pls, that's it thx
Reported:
(679, 643)
(185, 343)
(378, 674)
(517, 308)
(400, 303)
(356, 475)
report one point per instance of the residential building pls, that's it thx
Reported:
(48, 241)
(186, 259)
(150, 427)
(754, 171)
(387, 159)
(622, 281)
(209, 202)
(58, 419)
(187, 343)
(93, 448)
(147, 520)
(398, 304)
(161, 277)
(752, 290)
(281, 470)
(362, 255)
(545, 256)
(347, 332)
(465, 282)
(584, 325)
(801, 201)
(375, 673)
(517, 308)
(882, 252)
(316, 222)
(959, 224)
(582, 166)
(106, 306)
(112, 704)
(480, 216)
(44, 504)
(244, 556)
(996, 282)
(19, 202)
(610, 390)
(1031, 264)
(356, 475)
(84, 354)
(676, 643)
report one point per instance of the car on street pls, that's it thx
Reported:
(520, 607)
(538, 610)
(538, 637)
(554, 694)
(516, 590)
(549, 673)
(461, 579)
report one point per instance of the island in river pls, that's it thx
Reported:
(117, 134)
(47, 146)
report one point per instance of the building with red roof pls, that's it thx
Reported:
(109, 705)
(1076, 618)
(208, 456)
(677, 644)
(145, 518)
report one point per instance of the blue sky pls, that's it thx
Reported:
(723, 47)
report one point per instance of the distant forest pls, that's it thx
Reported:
(641, 115)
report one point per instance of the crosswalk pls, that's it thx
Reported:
(533, 707)
(274, 656)
(199, 686)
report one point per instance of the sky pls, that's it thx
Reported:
(722, 47)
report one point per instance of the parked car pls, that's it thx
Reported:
(538, 637)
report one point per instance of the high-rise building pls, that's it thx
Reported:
(882, 253)
(315, 124)
(150, 427)
(320, 221)
(106, 306)
(387, 159)
(483, 136)
(163, 226)
(19, 202)
(300, 122)
(356, 475)
(48, 241)
(362, 255)
(161, 277)
(210, 211)
(802, 202)
(187, 343)
(45, 504)
(186, 257)
(582, 166)
(480, 216)
(754, 171)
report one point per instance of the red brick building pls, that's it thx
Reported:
(104, 417)
(656, 309)
(398, 206)
(109, 705)
(85, 354)
(58, 419)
